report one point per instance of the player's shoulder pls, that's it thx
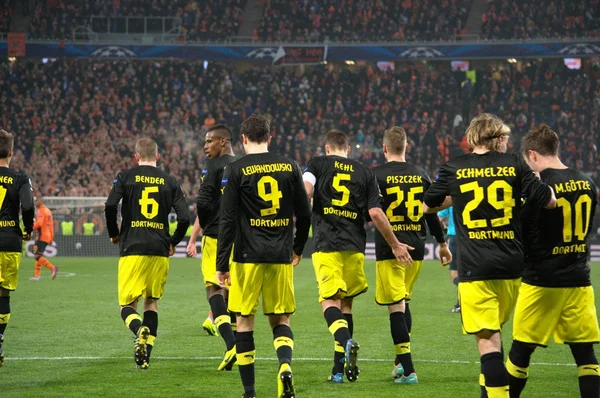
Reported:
(220, 162)
(555, 176)
(16, 175)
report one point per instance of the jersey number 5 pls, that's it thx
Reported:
(273, 196)
(414, 207)
(581, 228)
(148, 205)
(505, 205)
(2, 195)
(339, 177)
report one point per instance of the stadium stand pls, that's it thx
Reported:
(200, 20)
(6, 14)
(76, 120)
(364, 20)
(526, 19)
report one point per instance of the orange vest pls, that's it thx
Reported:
(44, 224)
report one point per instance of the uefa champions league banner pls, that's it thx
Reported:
(311, 54)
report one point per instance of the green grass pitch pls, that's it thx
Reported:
(66, 339)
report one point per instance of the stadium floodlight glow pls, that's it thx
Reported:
(349, 62)
(357, 146)
(12, 59)
(511, 61)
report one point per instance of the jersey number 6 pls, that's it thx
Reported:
(148, 205)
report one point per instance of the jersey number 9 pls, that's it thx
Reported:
(273, 196)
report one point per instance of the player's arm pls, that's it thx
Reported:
(191, 247)
(210, 184)
(27, 206)
(436, 229)
(437, 196)
(535, 190)
(302, 213)
(310, 177)
(228, 214)
(382, 223)
(182, 212)
(111, 208)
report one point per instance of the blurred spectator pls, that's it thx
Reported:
(363, 20)
(200, 20)
(527, 19)
(76, 121)
(6, 14)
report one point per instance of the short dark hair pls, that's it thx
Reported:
(336, 139)
(7, 143)
(541, 139)
(226, 131)
(146, 149)
(256, 128)
(395, 140)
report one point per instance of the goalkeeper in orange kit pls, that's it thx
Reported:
(44, 226)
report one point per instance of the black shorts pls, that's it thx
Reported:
(39, 247)
(452, 246)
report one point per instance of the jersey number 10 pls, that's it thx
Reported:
(581, 227)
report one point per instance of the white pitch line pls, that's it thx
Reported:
(92, 358)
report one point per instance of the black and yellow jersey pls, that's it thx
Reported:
(344, 191)
(209, 195)
(262, 194)
(16, 195)
(403, 187)
(486, 192)
(148, 195)
(556, 249)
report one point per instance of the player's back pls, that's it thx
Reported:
(342, 193)
(11, 185)
(148, 196)
(212, 175)
(403, 187)
(486, 195)
(556, 249)
(269, 189)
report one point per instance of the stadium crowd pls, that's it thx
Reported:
(76, 121)
(341, 20)
(526, 19)
(6, 14)
(200, 20)
(317, 21)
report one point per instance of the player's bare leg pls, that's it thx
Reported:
(338, 326)
(493, 369)
(133, 321)
(283, 341)
(4, 318)
(454, 279)
(246, 352)
(222, 318)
